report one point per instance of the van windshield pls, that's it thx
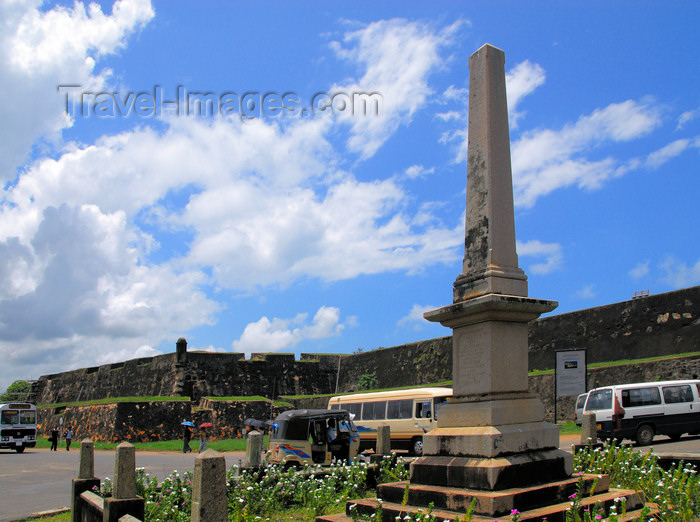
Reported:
(599, 400)
(581, 400)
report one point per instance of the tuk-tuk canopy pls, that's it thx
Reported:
(294, 424)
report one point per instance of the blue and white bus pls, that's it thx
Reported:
(17, 426)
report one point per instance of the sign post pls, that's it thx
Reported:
(570, 371)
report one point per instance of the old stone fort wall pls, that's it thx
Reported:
(659, 325)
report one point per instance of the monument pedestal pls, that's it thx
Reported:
(491, 435)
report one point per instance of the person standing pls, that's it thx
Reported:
(69, 437)
(186, 436)
(54, 438)
(202, 440)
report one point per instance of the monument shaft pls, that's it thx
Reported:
(492, 434)
(490, 260)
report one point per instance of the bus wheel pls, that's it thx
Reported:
(644, 436)
(417, 446)
(19, 449)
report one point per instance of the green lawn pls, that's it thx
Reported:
(162, 445)
(569, 428)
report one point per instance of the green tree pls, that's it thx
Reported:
(368, 381)
(17, 391)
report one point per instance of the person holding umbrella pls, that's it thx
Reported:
(203, 436)
(186, 436)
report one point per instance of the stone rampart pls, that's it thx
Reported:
(202, 374)
(158, 420)
(654, 326)
(657, 325)
(419, 363)
(120, 421)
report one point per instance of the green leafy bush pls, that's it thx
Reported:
(676, 491)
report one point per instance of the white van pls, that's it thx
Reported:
(642, 410)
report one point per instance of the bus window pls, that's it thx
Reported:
(374, 410)
(676, 394)
(10, 417)
(423, 409)
(27, 417)
(439, 403)
(399, 409)
(353, 408)
(640, 397)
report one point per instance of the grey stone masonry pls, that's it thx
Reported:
(125, 472)
(87, 459)
(383, 440)
(124, 500)
(86, 480)
(588, 428)
(253, 449)
(490, 260)
(209, 501)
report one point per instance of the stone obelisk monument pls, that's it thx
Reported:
(492, 450)
(492, 434)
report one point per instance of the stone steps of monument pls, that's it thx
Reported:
(557, 512)
(491, 502)
(639, 514)
(552, 513)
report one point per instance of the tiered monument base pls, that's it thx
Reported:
(546, 501)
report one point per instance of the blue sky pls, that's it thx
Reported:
(296, 230)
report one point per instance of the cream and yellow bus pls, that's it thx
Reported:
(409, 414)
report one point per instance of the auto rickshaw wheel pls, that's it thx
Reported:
(291, 464)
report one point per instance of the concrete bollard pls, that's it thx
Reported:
(125, 471)
(253, 449)
(209, 501)
(588, 428)
(86, 480)
(86, 468)
(124, 500)
(383, 440)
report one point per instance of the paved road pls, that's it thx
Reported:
(40, 480)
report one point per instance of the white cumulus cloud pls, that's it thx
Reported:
(415, 317)
(276, 335)
(397, 57)
(546, 160)
(42, 49)
(551, 252)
